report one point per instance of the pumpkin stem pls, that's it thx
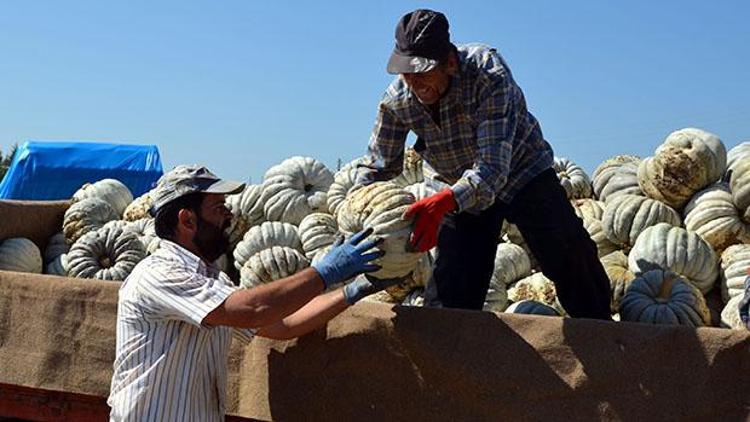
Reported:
(666, 287)
(105, 262)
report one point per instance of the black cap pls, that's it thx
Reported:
(422, 41)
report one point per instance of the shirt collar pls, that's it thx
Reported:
(191, 260)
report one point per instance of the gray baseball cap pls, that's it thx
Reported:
(184, 180)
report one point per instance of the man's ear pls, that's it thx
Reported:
(452, 64)
(187, 219)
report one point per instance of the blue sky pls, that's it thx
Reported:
(241, 85)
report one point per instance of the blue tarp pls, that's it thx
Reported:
(55, 170)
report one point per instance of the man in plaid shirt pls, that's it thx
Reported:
(485, 155)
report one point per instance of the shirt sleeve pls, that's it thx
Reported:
(182, 295)
(385, 153)
(498, 118)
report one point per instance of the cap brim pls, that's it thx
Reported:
(409, 64)
(226, 187)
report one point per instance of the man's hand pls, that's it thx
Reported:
(428, 214)
(367, 285)
(348, 259)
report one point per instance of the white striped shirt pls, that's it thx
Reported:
(168, 366)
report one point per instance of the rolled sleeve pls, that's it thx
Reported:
(183, 295)
(385, 153)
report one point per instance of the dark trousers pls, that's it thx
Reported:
(555, 235)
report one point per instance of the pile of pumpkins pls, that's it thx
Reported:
(670, 229)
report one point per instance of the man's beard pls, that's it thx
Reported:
(210, 239)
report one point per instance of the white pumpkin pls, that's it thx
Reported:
(573, 179)
(420, 190)
(84, 216)
(626, 216)
(412, 169)
(688, 160)
(594, 228)
(295, 188)
(588, 208)
(317, 231)
(536, 287)
(247, 211)
(56, 246)
(511, 234)
(145, 229)
(343, 181)
(737, 153)
(675, 249)
(496, 299)
(111, 191)
(730, 315)
(265, 236)
(512, 263)
(615, 176)
(271, 264)
(21, 255)
(109, 253)
(735, 263)
(739, 185)
(417, 279)
(381, 206)
(139, 208)
(712, 215)
(616, 266)
(663, 297)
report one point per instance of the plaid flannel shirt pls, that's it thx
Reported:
(487, 145)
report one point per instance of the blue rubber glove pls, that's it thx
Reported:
(349, 259)
(367, 285)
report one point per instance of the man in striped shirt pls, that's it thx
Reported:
(485, 156)
(177, 312)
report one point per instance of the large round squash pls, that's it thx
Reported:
(86, 215)
(420, 190)
(512, 263)
(626, 216)
(712, 215)
(588, 208)
(317, 231)
(20, 254)
(247, 211)
(265, 236)
(139, 208)
(295, 188)
(737, 153)
(111, 191)
(688, 160)
(730, 315)
(663, 297)
(109, 253)
(56, 246)
(573, 179)
(616, 266)
(270, 265)
(673, 248)
(343, 181)
(412, 172)
(617, 175)
(594, 228)
(145, 229)
(739, 185)
(496, 299)
(536, 287)
(58, 266)
(381, 206)
(735, 263)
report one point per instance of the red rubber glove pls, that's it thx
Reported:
(428, 213)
